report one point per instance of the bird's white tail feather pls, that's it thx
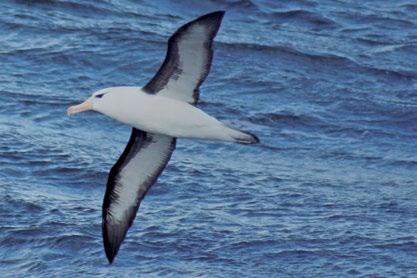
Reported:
(241, 137)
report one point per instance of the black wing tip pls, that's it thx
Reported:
(110, 257)
(218, 15)
(113, 237)
(111, 251)
(255, 138)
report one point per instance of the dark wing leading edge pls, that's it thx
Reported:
(188, 59)
(137, 169)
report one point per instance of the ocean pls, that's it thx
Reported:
(329, 87)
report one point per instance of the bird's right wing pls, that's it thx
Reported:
(137, 169)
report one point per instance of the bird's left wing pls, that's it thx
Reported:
(188, 59)
(137, 169)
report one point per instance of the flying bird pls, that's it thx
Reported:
(159, 113)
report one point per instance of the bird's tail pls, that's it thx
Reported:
(241, 137)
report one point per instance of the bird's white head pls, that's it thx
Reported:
(97, 102)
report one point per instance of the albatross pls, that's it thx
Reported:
(159, 113)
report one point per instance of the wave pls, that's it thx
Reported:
(95, 8)
(400, 74)
(410, 7)
(385, 21)
(407, 246)
(12, 205)
(303, 16)
(237, 3)
(319, 57)
(287, 119)
(405, 163)
(329, 59)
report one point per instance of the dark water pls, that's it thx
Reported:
(329, 86)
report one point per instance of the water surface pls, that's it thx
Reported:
(328, 86)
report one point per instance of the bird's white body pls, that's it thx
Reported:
(161, 115)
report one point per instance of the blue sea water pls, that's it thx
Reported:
(329, 86)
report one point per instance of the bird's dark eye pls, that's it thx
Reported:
(99, 95)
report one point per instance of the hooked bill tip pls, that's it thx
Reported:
(69, 111)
